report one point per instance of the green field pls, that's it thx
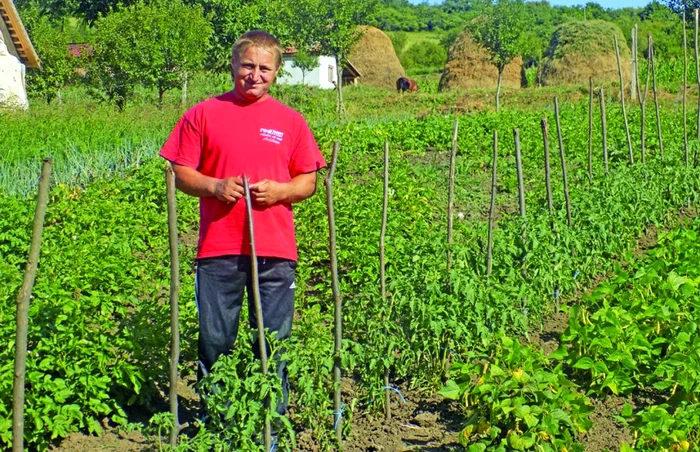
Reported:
(99, 319)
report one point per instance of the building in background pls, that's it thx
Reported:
(16, 53)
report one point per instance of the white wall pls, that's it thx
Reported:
(322, 76)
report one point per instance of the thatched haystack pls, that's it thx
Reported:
(579, 50)
(468, 66)
(374, 57)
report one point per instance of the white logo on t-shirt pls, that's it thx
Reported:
(271, 135)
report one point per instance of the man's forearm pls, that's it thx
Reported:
(194, 183)
(301, 187)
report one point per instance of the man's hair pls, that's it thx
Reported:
(260, 39)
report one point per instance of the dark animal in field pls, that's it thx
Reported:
(406, 84)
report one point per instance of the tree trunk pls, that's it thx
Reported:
(498, 87)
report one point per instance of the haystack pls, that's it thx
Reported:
(374, 57)
(579, 50)
(468, 66)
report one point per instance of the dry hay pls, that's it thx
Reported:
(374, 57)
(579, 50)
(468, 66)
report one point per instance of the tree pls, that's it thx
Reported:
(680, 6)
(146, 44)
(51, 45)
(500, 31)
(331, 26)
(306, 62)
(398, 41)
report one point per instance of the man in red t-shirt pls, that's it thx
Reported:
(244, 132)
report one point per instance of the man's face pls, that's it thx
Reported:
(253, 73)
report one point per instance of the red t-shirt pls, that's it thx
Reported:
(265, 140)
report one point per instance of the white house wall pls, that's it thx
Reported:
(322, 76)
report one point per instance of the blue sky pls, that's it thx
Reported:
(603, 3)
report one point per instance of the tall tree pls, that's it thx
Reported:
(146, 44)
(331, 27)
(500, 30)
(683, 6)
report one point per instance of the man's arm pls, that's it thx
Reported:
(267, 192)
(194, 183)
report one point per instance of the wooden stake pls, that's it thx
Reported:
(622, 100)
(604, 126)
(492, 210)
(547, 176)
(256, 299)
(521, 194)
(656, 98)
(450, 197)
(338, 301)
(382, 265)
(590, 130)
(23, 299)
(685, 94)
(634, 81)
(563, 162)
(174, 301)
(642, 105)
(697, 73)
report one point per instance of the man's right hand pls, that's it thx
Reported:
(229, 189)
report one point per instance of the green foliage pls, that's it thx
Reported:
(306, 62)
(146, 44)
(664, 427)
(51, 45)
(398, 41)
(426, 54)
(500, 30)
(516, 400)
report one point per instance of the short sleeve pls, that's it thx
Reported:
(306, 157)
(184, 145)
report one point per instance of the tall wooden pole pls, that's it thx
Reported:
(338, 301)
(256, 299)
(492, 210)
(382, 266)
(697, 73)
(685, 94)
(622, 101)
(590, 130)
(450, 196)
(563, 162)
(547, 175)
(174, 301)
(656, 98)
(23, 309)
(604, 131)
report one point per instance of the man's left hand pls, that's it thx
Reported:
(266, 193)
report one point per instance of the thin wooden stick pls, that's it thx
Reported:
(338, 301)
(492, 210)
(563, 162)
(590, 130)
(174, 301)
(642, 105)
(382, 266)
(685, 93)
(547, 176)
(450, 197)
(521, 194)
(697, 73)
(635, 67)
(656, 98)
(256, 299)
(604, 126)
(622, 100)
(23, 299)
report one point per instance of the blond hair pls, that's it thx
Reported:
(259, 39)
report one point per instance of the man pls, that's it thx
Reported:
(245, 132)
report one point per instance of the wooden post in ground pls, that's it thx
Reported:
(23, 298)
(642, 106)
(382, 266)
(590, 130)
(338, 301)
(622, 101)
(604, 127)
(174, 302)
(697, 73)
(492, 210)
(258, 306)
(656, 97)
(547, 175)
(563, 163)
(685, 94)
(450, 197)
